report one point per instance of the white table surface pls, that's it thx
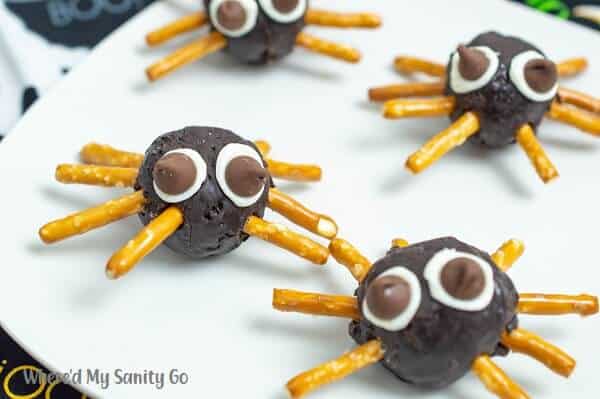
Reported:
(213, 319)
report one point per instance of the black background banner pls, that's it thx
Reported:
(14, 364)
(86, 25)
(564, 9)
(74, 23)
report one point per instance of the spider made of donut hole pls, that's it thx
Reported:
(202, 191)
(496, 90)
(431, 312)
(255, 32)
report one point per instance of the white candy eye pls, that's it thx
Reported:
(178, 175)
(534, 76)
(284, 11)
(460, 280)
(471, 68)
(241, 174)
(234, 18)
(392, 299)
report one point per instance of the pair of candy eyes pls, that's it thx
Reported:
(235, 18)
(458, 280)
(521, 68)
(188, 177)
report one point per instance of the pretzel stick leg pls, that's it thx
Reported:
(93, 218)
(345, 254)
(334, 50)
(536, 154)
(571, 67)
(264, 147)
(360, 357)
(187, 54)
(105, 155)
(554, 304)
(416, 89)
(294, 211)
(419, 107)
(150, 237)
(294, 172)
(527, 343)
(410, 65)
(107, 176)
(579, 99)
(316, 304)
(495, 380)
(508, 254)
(455, 135)
(175, 28)
(582, 120)
(399, 243)
(284, 238)
(342, 20)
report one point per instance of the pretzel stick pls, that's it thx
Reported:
(554, 304)
(263, 147)
(399, 243)
(342, 20)
(579, 99)
(582, 120)
(293, 172)
(93, 218)
(410, 65)
(455, 135)
(175, 28)
(316, 304)
(146, 241)
(527, 343)
(294, 211)
(508, 254)
(108, 176)
(360, 357)
(284, 238)
(105, 155)
(536, 154)
(571, 67)
(419, 107)
(415, 89)
(197, 49)
(495, 380)
(345, 254)
(317, 45)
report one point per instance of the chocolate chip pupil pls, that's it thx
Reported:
(174, 173)
(285, 6)
(463, 278)
(541, 75)
(245, 176)
(388, 296)
(231, 15)
(473, 63)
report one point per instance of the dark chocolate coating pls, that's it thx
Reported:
(501, 108)
(439, 345)
(213, 224)
(268, 41)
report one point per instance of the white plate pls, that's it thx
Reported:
(213, 320)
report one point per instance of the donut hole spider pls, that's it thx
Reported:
(255, 32)
(496, 90)
(431, 312)
(202, 191)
